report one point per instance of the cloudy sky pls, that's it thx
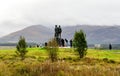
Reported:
(18, 14)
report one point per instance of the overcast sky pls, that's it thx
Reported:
(18, 14)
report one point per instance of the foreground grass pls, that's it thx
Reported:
(28, 68)
(37, 63)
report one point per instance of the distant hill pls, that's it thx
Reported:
(36, 33)
(95, 34)
(41, 34)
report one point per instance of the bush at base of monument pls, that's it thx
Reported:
(21, 48)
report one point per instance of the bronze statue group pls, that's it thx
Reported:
(57, 36)
(64, 42)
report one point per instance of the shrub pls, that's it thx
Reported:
(80, 43)
(112, 61)
(105, 59)
(52, 49)
(21, 48)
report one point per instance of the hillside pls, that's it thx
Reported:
(37, 33)
(41, 34)
(95, 34)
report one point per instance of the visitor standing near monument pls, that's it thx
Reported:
(110, 46)
(71, 42)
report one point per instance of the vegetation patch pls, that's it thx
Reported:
(37, 63)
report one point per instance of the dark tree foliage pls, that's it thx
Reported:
(80, 43)
(21, 48)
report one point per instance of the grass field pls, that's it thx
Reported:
(96, 63)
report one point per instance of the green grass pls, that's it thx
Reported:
(96, 63)
(65, 53)
(100, 54)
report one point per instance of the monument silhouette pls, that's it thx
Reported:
(57, 34)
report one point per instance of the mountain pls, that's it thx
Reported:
(36, 33)
(95, 34)
(41, 34)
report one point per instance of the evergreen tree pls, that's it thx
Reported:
(80, 43)
(21, 48)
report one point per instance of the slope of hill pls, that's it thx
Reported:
(95, 34)
(36, 33)
(41, 34)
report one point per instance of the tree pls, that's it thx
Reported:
(21, 48)
(52, 49)
(80, 43)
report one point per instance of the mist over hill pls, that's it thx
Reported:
(41, 34)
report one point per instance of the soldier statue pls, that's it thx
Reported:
(56, 31)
